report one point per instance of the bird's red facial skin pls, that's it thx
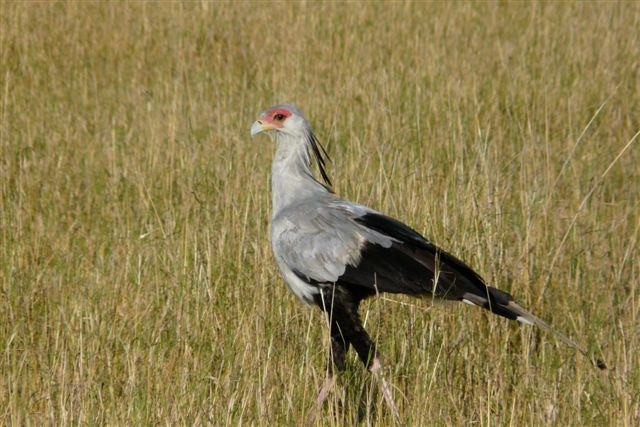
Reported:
(276, 116)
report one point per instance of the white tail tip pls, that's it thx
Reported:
(524, 320)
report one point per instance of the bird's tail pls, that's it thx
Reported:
(502, 303)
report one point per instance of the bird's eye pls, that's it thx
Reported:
(278, 117)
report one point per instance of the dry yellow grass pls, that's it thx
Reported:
(137, 284)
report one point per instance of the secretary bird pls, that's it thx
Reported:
(334, 253)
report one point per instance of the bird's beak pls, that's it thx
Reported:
(258, 127)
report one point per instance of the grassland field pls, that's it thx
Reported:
(137, 285)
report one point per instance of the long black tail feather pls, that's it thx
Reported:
(502, 304)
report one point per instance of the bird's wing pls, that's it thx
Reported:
(318, 241)
(410, 265)
(368, 252)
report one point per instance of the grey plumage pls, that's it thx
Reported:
(317, 237)
(334, 253)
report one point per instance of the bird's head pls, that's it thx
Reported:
(287, 120)
(282, 119)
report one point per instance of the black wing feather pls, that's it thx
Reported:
(410, 265)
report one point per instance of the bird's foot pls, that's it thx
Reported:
(376, 370)
(322, 396)
(325, 390)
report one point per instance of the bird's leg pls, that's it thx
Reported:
(376, 371)
(339, 348)
(368, 354)
(347, 328)
(327, 386)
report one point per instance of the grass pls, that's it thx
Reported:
(137, 282)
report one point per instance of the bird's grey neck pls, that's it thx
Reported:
(291, 176)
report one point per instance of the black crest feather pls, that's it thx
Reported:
(320, 155)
